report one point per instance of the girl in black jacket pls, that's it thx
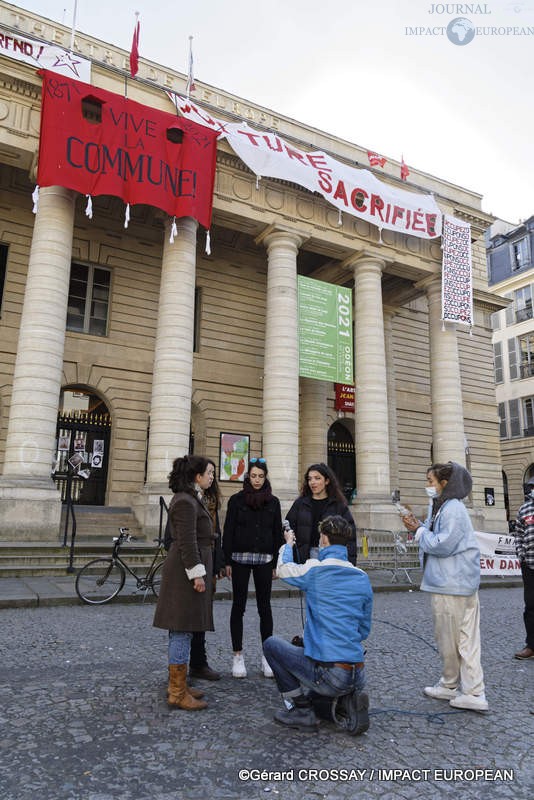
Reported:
(251, 539)
(320, 497)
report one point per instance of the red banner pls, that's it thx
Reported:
(345, 398)
(97, 142)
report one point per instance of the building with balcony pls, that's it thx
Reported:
(511, 274)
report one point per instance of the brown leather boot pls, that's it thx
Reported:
(196, 693)
(178, 693)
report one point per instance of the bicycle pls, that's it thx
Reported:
(100, 580)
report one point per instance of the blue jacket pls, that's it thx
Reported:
(339, 601)
(449, 554)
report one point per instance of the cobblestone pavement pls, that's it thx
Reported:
(84, 717)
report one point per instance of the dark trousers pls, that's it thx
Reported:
(263, 579)
(197, 656)
(528, 614)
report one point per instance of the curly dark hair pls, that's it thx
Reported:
(333, 488)
(184, 471)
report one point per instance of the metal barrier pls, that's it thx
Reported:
(387, 550)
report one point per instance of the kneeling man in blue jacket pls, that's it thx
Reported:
(339, 601)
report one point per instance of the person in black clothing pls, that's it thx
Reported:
(252, 536)
(320, 497)
(198, 660)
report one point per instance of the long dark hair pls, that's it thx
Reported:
(333, 488)
(184, 471)
(213, 494)
(257, 498)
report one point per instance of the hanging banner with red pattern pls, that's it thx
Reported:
(97, 142)
(457, 283)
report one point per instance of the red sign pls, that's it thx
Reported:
(97, 142)
(345, 397)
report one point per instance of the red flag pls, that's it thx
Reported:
(134, 52)
(404, 170)
(375, 160)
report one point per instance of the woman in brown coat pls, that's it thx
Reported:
(185, 598)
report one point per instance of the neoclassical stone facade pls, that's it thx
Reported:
(193, 345)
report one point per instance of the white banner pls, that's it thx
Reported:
(497, 554)
(355, 191)
(44, 56)
(457, 282)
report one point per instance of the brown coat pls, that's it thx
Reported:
(179, 607)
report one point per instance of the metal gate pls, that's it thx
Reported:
(341, 458)
(83, 439)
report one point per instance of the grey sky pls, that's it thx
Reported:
(358, 70)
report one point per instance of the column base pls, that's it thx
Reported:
(489, 519)
(147, 508)
(30, 510)
(376, 514)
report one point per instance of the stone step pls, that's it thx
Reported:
(45, 559)
(53, 570)
(100, 522)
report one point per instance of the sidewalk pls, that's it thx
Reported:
(59, 590)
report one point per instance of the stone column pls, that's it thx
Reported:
(313, 427)
(172, 379)
(448, 436)
(281, 364)
(30, 505)
(371, 413)
(389, 314)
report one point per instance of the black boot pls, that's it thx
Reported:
(301, 716)
(198, 662)
(352, 713)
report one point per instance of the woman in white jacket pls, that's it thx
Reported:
(451, 573)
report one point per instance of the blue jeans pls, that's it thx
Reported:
(293, 670)
(179, 646)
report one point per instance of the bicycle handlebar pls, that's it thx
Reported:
(124, 536)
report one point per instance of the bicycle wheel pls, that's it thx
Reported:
(99, 581)
(155, 579)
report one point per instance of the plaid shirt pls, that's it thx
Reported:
(524, 534)
(253, 559)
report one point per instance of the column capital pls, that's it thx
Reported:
(389, 312)
(274, 233)
(430, 284)
(364, 257)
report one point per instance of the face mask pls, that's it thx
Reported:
(431, 491)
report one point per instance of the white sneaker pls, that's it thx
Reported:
(471, 702)
(265, 668)
(238, 667)
(440, 692)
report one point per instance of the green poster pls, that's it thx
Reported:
(325, 331)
